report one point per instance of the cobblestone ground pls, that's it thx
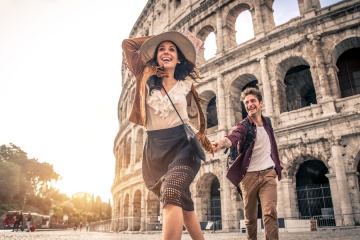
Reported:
(333, 234)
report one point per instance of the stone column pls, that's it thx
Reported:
(327, 101)
(289, 203)
(320, 67)
(266, 87)
(335, 197)
(332, 77)
(220, 99)
(219, 33)
(259, 26)
(144, 207)
(229, 115)
(342, 183)
(276, 98)
(227, 202)
(132, 149)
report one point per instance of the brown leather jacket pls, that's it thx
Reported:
(142, 73)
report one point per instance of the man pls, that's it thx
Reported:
(18, 221)
(28, 221)
(256, 168)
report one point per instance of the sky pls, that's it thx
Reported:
(60, 82)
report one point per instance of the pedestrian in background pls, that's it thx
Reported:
(18, 221)
(28, 221)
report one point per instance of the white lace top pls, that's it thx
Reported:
(161, 113)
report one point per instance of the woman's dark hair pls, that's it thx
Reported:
(182, 70)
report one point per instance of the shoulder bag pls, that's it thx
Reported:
(190, 135)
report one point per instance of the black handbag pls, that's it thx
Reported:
(190, 135)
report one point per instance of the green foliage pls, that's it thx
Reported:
(29, 187)
(11, 179)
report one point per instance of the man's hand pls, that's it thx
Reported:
(222, 143)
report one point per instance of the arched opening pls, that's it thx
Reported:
(215, 204)
(137, 211)
(244, 27)
(208, 190)
(313, 192)
(252, 84)
(349, 72)
(212, 119)
(299, 87)
(210, 46)
(207, 35)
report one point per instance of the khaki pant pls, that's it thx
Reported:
(260, 184)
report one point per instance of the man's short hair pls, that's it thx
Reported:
(254, 91)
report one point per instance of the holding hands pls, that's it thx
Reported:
(220, 144)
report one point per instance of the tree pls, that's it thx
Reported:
(24, 176)
(11, 180)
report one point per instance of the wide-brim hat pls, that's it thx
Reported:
(148, 48)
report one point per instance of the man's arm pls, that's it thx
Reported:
(220, 144)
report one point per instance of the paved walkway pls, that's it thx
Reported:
(333, 234)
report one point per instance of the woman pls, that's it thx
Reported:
(169, 166)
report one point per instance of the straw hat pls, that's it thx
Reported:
(148, 48)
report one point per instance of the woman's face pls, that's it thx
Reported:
(167, 55)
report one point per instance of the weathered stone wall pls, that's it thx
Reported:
(290, 63)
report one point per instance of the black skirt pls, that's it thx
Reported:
(169, 166)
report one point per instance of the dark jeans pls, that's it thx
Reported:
(16, 224)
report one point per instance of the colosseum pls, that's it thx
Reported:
(308, 70)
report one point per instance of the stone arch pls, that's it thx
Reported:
(296, 85)
(234, 91)
(209, 202)
(230, 19)
(139, 143)
(349, 73)
(313, 190)
(244, 27)
(210, 111)
(137, 211)
(338, 46)
(153, 211)
(203, 34)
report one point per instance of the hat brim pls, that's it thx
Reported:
(148, 48)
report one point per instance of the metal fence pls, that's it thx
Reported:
(307, 223)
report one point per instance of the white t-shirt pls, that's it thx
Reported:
(261, 157)
(161, 113)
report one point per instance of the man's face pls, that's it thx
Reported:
(252, 105)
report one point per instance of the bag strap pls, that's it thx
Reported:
(201, 114)
(172, 104)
